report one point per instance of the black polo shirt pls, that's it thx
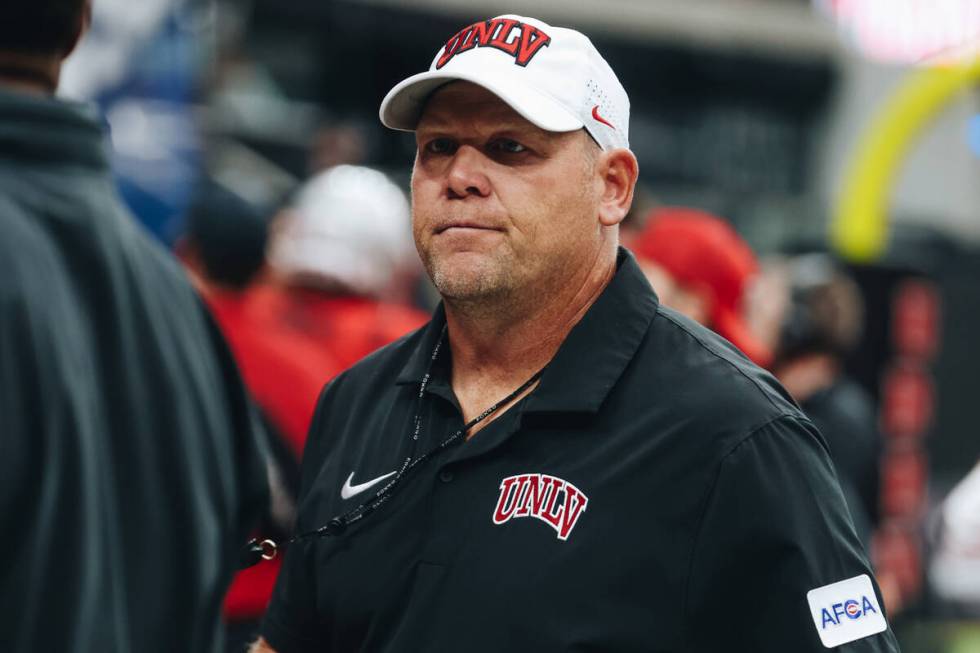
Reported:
(656, 492)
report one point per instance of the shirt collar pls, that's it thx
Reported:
(48, 129)
(592, 357)
(600, 346)
(419, 362)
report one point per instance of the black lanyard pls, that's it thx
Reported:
(256, 551)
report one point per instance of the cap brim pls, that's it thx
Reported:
(403, 105)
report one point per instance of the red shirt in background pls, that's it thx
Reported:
(347, 328)
(285, 374)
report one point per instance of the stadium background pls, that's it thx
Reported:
(757, 110)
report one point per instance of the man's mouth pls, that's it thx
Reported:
(464, 224)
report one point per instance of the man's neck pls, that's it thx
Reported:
(29, 74)
(496, 348)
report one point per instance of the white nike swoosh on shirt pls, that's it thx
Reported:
(349, 490)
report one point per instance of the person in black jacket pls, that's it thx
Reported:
(131, 466)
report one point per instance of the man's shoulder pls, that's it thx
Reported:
(702, 380)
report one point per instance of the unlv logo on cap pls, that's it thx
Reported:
(519, 40)
(556, 502)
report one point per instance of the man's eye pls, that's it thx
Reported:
(439, 146)
(508, 146)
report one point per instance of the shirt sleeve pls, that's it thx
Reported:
(775, 526)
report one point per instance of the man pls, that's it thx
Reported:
(130, 471)
(555, 462)
(700, 267)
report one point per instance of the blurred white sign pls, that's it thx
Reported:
(103, 58)
(909, 31)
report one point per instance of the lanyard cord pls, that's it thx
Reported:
(267, 549)
(339, 524)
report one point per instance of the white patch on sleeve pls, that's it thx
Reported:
(846, 611)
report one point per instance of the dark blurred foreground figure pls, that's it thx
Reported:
(699, 265)
(131, 467)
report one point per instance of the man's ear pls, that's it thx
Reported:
(618, 171)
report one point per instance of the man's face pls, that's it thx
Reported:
(498, 204)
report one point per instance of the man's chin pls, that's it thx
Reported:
(464, 287)
(468, 278)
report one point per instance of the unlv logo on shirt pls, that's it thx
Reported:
(556, 502)
(519, 40)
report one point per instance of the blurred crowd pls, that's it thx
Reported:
(301, 295)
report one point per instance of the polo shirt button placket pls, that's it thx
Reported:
(441, 542)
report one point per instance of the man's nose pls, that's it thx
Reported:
(467, 174)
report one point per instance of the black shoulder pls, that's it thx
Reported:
(711, 385)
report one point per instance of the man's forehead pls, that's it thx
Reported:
(463, 101)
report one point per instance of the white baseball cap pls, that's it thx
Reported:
(350, 225)
(552, 76)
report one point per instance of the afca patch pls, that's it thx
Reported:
(846, 611)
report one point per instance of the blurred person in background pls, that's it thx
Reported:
(821, 323)
(224, 248)
(699, 266)
(343, 260)
(811, 313)
(132, 466)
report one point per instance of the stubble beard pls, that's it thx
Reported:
(484, 281)
(493, 289)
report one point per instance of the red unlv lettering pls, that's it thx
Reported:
(519, 40)
(556, 502)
